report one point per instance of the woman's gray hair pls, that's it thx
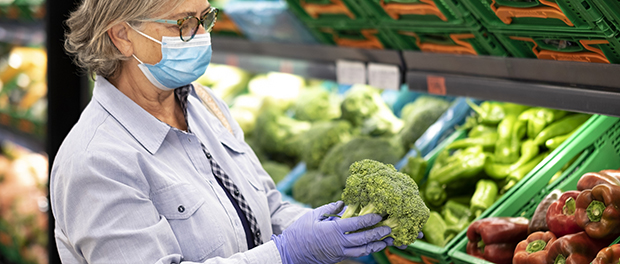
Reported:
(88, 40)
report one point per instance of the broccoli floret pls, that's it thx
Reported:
(374, 187)
(276, 170)
(363, 107)
(317, 104)
(360, 103)
(321, 138)
(341, 156)
(277, 134)
(315, 189)
(419, 116)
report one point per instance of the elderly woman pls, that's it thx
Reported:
(150, 174)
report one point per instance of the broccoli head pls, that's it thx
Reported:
(360, 103)
(374, 187)
(317, 104)
(419, 116)
(278, 134)
(321, 137)
(364, 107)
(341, 156)
(315, 189)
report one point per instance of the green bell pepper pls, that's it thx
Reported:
(561, 127)
(415, 168)
(435, 193)
(488, 140)
(434, 229)
(489, 113)
(463, 164)
(529, 150)
(538, 118)
(480, 130)
(517, 175)
(484, 197)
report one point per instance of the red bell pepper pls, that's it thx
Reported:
(576, 248)
(591, 179)
(533, 250)
(495, 239)
(598, 211)
(608, 255)
(539, 219)
(561, 215)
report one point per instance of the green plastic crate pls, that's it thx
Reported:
(467, 41)
(368, 37)
(329, 12)
(610, 9)
(596, 146)
(419, 12)
(540, 15)
(560, 46)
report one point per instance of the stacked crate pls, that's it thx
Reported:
(567, 30)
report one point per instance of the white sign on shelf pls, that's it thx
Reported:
(384, 76)
(350, 72)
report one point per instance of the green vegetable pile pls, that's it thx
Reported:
(287, 120)
(504, 143)
(377, 188)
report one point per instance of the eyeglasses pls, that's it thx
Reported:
(188, 26)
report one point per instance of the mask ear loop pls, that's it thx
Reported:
(144, 35)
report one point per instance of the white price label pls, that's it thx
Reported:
(350, 72)
(384, 76)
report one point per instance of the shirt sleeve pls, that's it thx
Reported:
(104, 215)
(283, 213)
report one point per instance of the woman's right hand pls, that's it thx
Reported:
(312, 239)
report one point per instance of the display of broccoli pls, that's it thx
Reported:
(341, 156)
(364, 107)
(374, 187)
(276, 170)
(419, 116)
(317, 104)
(315, 188)
(277, 134)
(321, 137)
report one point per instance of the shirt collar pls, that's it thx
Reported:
(149, 131)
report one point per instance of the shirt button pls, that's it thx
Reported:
(181, 208)
(236, 192)
(189, 139)
(257, 233)
(208, 155)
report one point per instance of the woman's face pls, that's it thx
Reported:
(150, 51)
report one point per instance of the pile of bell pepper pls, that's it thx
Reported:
(504, 142)
(571, 227)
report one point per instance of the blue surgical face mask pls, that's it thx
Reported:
(181, 62)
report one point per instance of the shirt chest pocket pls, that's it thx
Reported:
(237, 152)
(192, 220)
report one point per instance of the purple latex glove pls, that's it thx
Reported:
(310, 239)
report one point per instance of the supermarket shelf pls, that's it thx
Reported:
(599, 101)
(312, 61)
(565, 73)
(576, 86)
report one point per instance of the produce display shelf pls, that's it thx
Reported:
(575, 86)
(596, 147)
(590, 100)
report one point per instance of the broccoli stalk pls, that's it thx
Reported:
(377, 188)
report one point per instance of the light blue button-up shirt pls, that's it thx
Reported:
(121, 177)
